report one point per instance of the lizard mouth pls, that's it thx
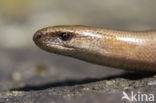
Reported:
(54, 47)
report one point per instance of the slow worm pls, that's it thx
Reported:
(129, 50)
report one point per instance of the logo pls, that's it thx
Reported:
(139, 97)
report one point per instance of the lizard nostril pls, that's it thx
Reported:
(37, 36)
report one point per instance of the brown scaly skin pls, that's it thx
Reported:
(115, 48)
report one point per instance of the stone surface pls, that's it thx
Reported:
(34, 76)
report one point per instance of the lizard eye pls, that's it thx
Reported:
(64, 36)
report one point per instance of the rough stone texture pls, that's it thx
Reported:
(41, 77)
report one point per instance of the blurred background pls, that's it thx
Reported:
(23, 63)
